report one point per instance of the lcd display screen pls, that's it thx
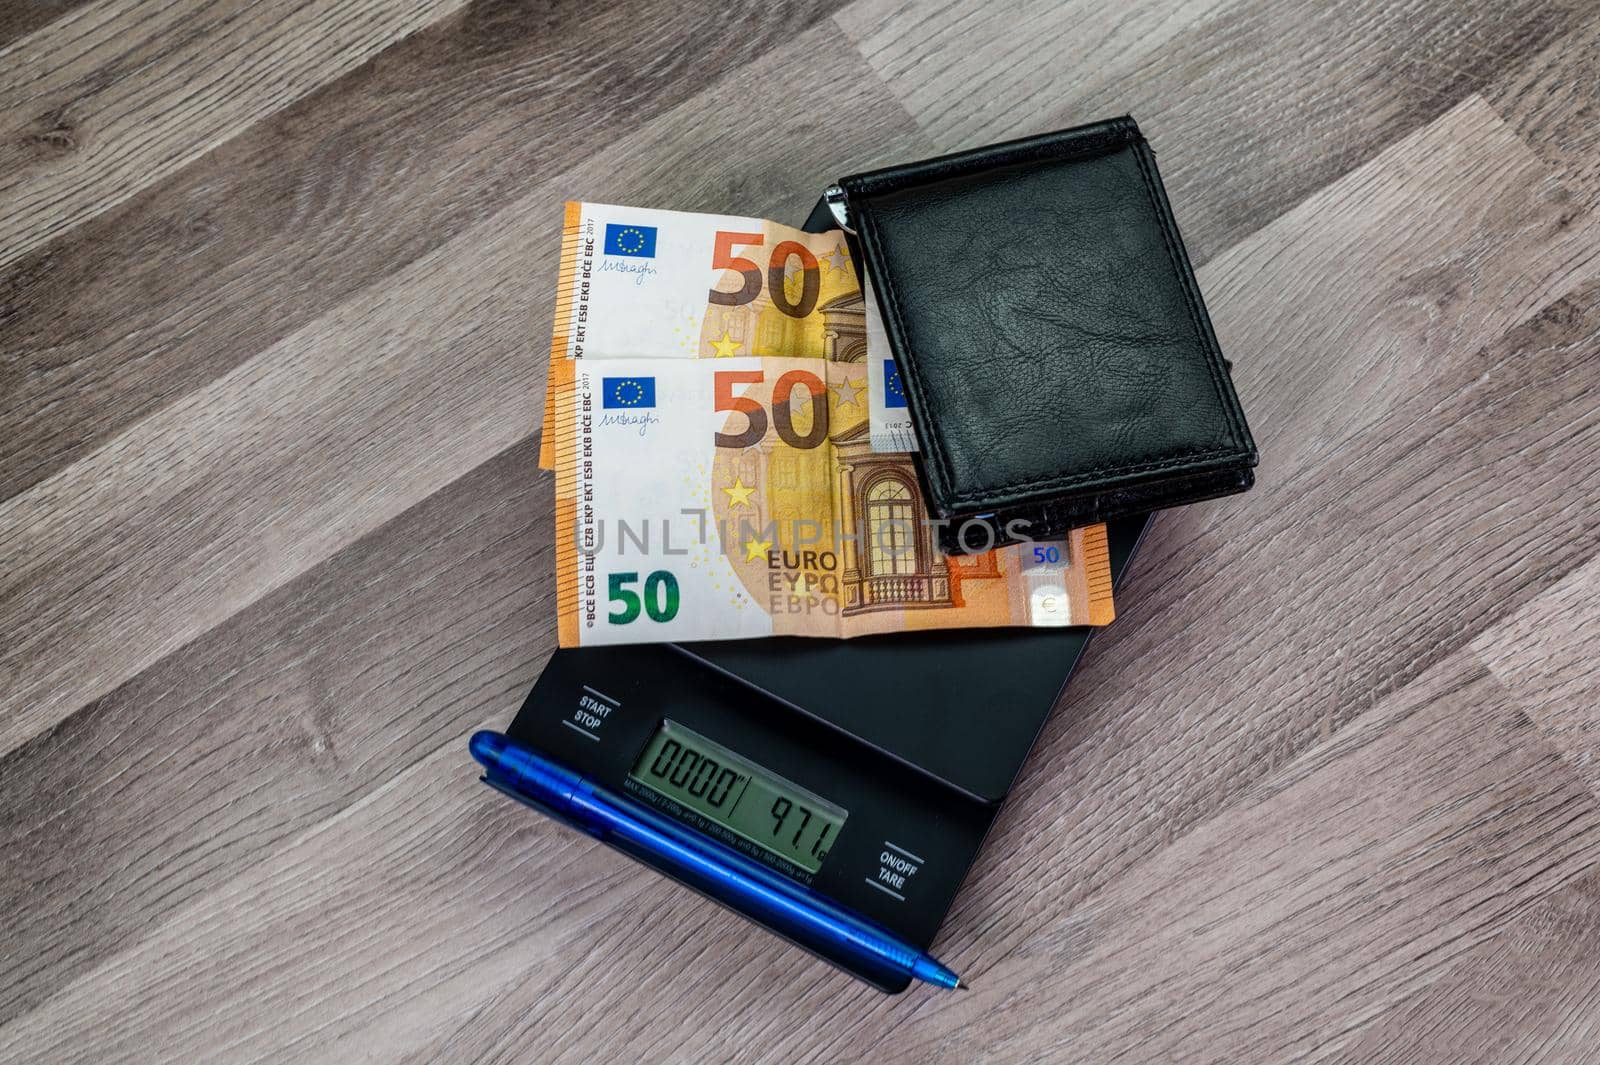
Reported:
(752, 802)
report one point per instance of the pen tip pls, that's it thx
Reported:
(962, 985)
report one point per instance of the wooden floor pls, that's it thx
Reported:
(276, 280)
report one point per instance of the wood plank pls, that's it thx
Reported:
(378, 925)
(1549, 654)
(21, 17)
(965, 75)
(303, 703)
(1531, 993)
(1277, 930)
(1551, 101)
(201, 271)
(339, 427)
(97, 107)
(1420, 480)
(701, 985)
(1251, 105)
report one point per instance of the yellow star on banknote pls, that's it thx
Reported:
(739, 494)
(848, 391)
(756, 550)
(727, 347)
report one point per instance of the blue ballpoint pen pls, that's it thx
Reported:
(718, 870)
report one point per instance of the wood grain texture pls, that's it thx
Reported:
(1251, 105)
(340, 189)
(102, 104)
(20, 17)
(272, 542)
(1531, 993)
(1549, 654)
(1342, 882)
(428, 874)
(1553, 102)
(271, 723)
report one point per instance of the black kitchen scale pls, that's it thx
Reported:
(904, 745)
(888, 756)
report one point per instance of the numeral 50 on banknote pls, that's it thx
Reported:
(755, 429)
(723, 258)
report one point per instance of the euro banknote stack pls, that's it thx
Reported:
(732, 456)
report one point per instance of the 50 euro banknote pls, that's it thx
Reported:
(723, 499)
(640, 283)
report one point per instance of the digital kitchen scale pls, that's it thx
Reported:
(868, 770)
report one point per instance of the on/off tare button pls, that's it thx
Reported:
(590, 715)
(897, 867)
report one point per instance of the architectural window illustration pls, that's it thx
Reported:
(891, 529)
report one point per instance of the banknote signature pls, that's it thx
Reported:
(643, 419)
(640, 271)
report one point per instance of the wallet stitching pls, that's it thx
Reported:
(870, 224)
(1119, 133)
(1190, 298)
(1173, 461)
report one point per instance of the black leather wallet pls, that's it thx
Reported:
(1058, 363)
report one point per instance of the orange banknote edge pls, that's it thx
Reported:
(561, 338)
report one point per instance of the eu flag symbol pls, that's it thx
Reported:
(637, 242)
(893, 394)
(631, 392)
